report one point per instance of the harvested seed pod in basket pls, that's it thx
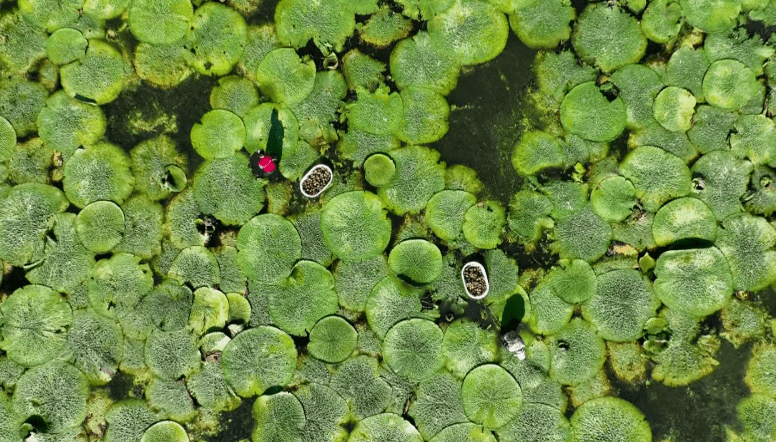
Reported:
(316, 180)
(475, 280)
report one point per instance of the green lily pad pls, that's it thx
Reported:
(467, 345)
(587, 112)
(609, 37)
(686, 69)
(379, 169)
(55, 392)
(127, 420)
(418, 177)
(217, 36)
(596, 419)
(235, 94)
(711, 128)
(386, 426)
(20, 103)
(622, 303)
(66, 123)
(332, 339)
(158, 167)
(24, 220)
(416, 260)
(279, 417)
(537, 151)
(170, 355)
(49, 14)
(674, 108)
(98, 172)
(657, 175)
(747, 242)
(425, 116)
(219, 134)
(355, 226)
(445, 213)
(662, 21)
(543, 24)
(258, 358)
(613, 199)
(36, 322)
(98, 77)
(472, 31)
(696, 281)
(100, 226)
(549, 312)
(358, 381)
(483, 224)
(491, 396)
(577, 353)
(97, 345)
(306, 296)
(682, 219)
(66, 45)
(380, 112)
(413, 349)
(729, 84)
(116, 285)
(227, 189)
(713, 16)
(720, 181)
(417, 61)
(163, 66)
(582, 234)
(284, 77)
(160, 22)
(165, 431)
(328, 23)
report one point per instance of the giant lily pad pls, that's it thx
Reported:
(587, 112)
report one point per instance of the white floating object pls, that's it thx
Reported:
(314, 170)
(480, 267)
(514, 344)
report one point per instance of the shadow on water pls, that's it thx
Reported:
(486, 109)
(700, 411)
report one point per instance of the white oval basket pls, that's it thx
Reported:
(307, 175)
(484, 275)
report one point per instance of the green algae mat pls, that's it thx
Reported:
(610, 166)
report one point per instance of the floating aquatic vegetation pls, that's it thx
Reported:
(595, 34)
(595, 419)
(587, 112)
(543, 24)
(622, 303)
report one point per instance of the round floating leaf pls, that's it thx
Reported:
(66, 262)
(445, 213)
(474, 32)
(217, 38)
(127, 420)
(210, 389)
(268, 245)
(98, 77)
(257, 359)
(550, 311)
(582, 234)
(210, 311)
(65, 45)
(417, 61)
(165, 431)
(284, 77)
(729, 84)
(467, 345)
(390, 301)
(417, 260)
(622, 303)
(682, 219)
(385, 27)
(354, 280)
(160, 22)
(235, 94)
(537, 151)
(674, 108)
(355, 226)
(662, 21)
(609, 37)
(425, 116)
(227, 189)
(313, 246)
(170, 355)
(219, 134)
(97, 345)
(66, 124)
(638, 86)
(7, 138)
(543, 24)
(491, 396)
(49, 14)
(117, 284)
(197, 266)
(438, 404)
(258, 124)
(163, 66)
(279, 417)
(379, 169)
(464, 431)
(98, 172)
(657, 175)
(536, 422)
(142, 227)
(413, 349)
(573, 280)
(711, 16)
(100, 226)
(610, 419)
(587, 112)
(747, 241)
(613, 199)
(325, 412)
(380, 112)
(55, 392)
(418, 177)
(306, 296)
(332, 339)
(386, 426)
(25, 211)
(695, 281)
(757, 413)
(577, 353)
(105, 9)
(35, 327)
(358, 381)
(483, 224)
(424, 9)
(171, 398)
(759, 370)
(20, 102)
(327, 23)
(158, 167)
(720, 181)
